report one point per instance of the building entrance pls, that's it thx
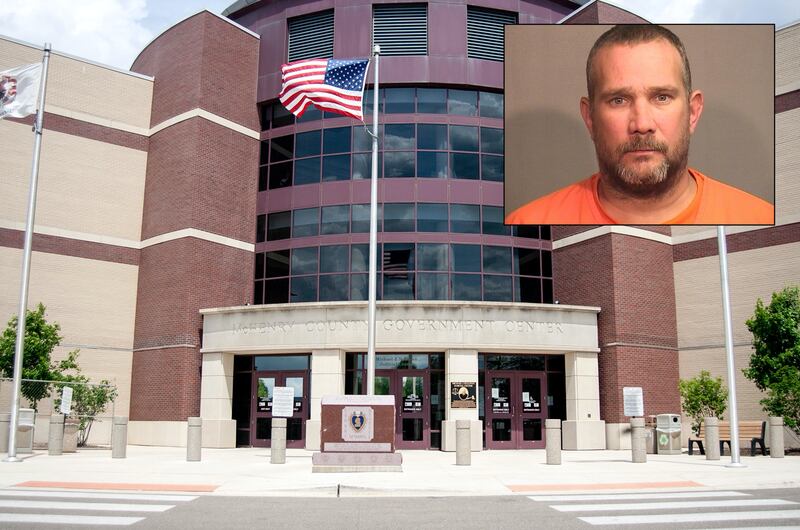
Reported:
(264, 383)
(515, 409)
(411, 389)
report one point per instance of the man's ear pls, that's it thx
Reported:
(695, 109)
(586, 114)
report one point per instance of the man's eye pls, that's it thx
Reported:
(617, 101)
(663, 98)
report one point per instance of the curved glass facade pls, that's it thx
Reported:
(441, 232)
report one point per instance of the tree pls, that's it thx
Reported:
(775, 362)
(41, 338)
(88, 400)
(703, 396)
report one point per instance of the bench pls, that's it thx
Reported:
(754, 430)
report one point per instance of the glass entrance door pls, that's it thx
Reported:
(411, 391)
(514, 410)
(264, 384)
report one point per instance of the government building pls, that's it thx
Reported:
(201, 245)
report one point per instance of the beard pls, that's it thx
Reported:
(643, 179)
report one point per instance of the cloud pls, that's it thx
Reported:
(111, 32)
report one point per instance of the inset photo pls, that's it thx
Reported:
(640, 124)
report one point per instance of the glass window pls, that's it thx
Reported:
(333, 287)
(308, 143)
(312, 113)
(431, 217)
(360, 222)
(335, 219)
(333, 258)
(335, 167)
(399, 164)
(369, 99)
(491, 105)
(399, 100)
(529, 231)
(492, 168)
(304, 260)
(276, 291)
(306, 171)
(362, 141)
(432, 100)
(399, 136)
(259, 268)
(528, 289)
(258, 293)
(282, 148)
(547, 264)
(466, 286)
(464, 166)
(497, 259)
(463, 138)
(497, 288)
(431, 164)
(465, 218)
(492, 140)
(493, 221)
(279, 226)
(266, 116)
(462, 102)
(545, 232)
(547, 291)
(282, 362)
(277, 263)
(304, 289)
(526, 261)
(263, 156)
(398, 217)
(280, 116)
(398, 286)
(432, 286)
(359, 287)
(362, 166)
(432, 256)
(305, 222)
(261, 228)
(336, 140)
(280, 175)
(398, 257)
(263, 173)
(431, 136)
(359, 258)
(466, 258)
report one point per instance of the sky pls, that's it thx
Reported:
(113, 32)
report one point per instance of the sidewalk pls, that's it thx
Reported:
(425, 473)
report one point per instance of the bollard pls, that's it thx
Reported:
(638, 441)
(712, 437)
(552, 441)
(194, 439)
(5, 422)
(277, 452)
(776, 436)
(463, 449)
(55, 437)
(119, 436)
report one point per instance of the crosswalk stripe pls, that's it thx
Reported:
(67, 519)
(97, 495)
(94, 506)
(637, 496)
(669, 518)
(669, 505)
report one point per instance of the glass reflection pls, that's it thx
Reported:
(304, 260)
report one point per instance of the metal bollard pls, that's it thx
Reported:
(55, 437)
(194, 439)
(119, 437)
(711, 442)
(277, 452)
(463, 443)
(638, 441)
(552, 441)
(5, 422)
(776, 436)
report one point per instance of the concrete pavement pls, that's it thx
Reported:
(425, 473)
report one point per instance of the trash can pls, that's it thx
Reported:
(651, 443)
(668, 434)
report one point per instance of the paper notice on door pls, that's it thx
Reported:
(495, 393)
(526, 396)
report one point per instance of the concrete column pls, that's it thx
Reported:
(119, 436)
(711, 443)
(776, 436)
(460, 366)
(194, 439)
(552, 437)
(583, 428)
(55, 437)
(327, 369)
(638, 441)
(463, 449)
(216, 400)
(277, 452)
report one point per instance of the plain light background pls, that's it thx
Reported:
(548, 147)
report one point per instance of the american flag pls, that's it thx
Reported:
(335, 85)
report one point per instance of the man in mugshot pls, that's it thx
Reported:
(641, 112)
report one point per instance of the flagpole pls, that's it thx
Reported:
(26, 263)
(373, 233)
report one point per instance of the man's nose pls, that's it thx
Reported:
(641, 118)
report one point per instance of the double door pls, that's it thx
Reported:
(411, 389)
(515, 409)
(263, 386)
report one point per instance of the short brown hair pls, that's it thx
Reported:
(636, 34)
